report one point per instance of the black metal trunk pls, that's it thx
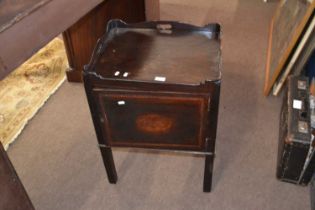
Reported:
(295, 152)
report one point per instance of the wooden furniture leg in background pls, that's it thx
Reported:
(81, 38)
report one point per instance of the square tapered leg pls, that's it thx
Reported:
(207, 182)
(108, 160)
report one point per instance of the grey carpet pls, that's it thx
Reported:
(60, 165)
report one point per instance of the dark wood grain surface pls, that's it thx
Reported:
(159, 55)
(12, 193)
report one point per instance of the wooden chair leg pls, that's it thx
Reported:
(207, 182)
(109, 164)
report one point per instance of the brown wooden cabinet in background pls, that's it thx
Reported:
(81, 38)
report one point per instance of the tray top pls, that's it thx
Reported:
(166, 52)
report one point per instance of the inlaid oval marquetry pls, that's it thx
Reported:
(154, 123)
